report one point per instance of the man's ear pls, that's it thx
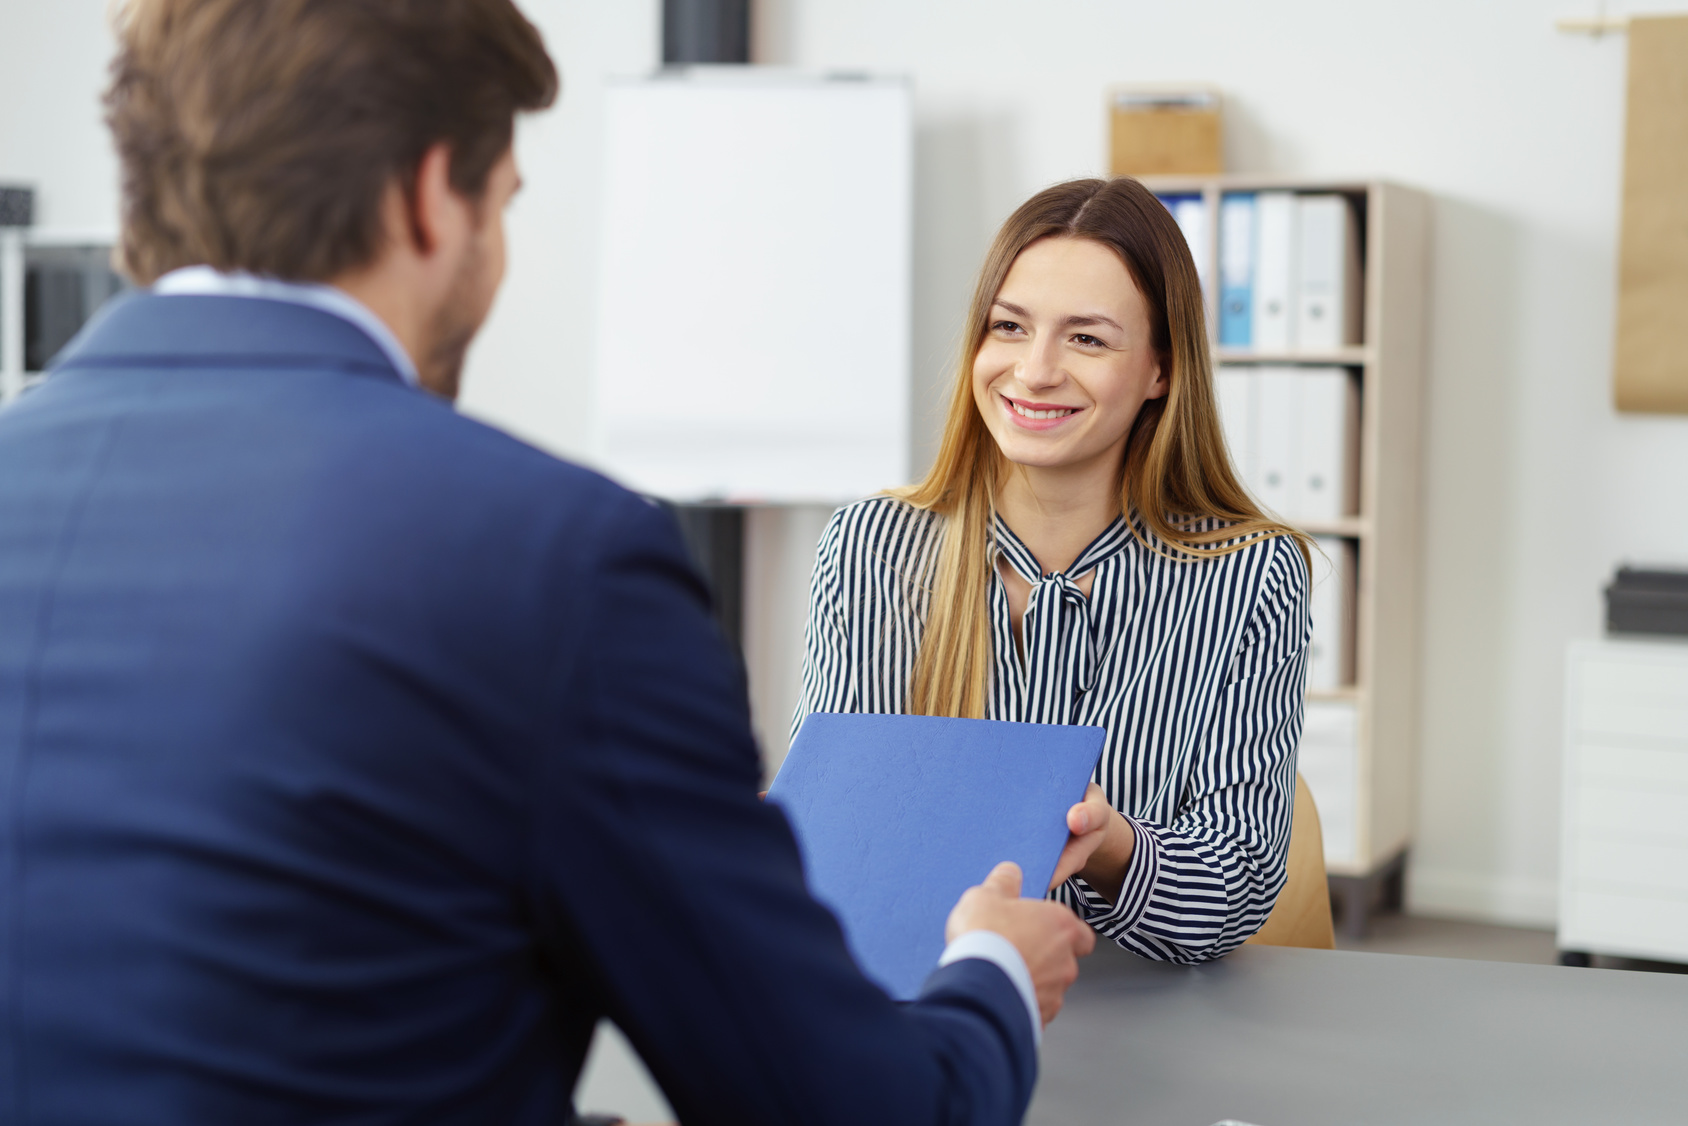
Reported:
(430, 198)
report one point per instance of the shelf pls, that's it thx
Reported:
(1246, 182)
(51, 237)
(1355, 527)
(1357, 355)
(1381, 607)
(84, 255)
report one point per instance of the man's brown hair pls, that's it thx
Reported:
(262, 135)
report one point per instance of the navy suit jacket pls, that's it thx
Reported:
(356, 758)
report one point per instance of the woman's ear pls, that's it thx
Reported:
(1159, 383)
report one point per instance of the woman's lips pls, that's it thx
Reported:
(1037, 416)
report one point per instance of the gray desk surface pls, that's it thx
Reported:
(1282, 1037)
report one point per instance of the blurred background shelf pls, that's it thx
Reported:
(1353, 356)
(1358, 752)
(51, 283)
(1353, 527)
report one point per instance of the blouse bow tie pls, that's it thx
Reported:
(1060, 645)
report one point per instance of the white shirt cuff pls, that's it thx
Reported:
(994, 948)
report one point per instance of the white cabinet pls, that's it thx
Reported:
(1623, 868)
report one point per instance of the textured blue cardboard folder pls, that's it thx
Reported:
(897, 815)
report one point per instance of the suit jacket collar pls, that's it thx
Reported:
(203, 281)
(146, 330)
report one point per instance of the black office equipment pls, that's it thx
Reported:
(17, 207)
(63, 287)
(1648, 601)
(705, 31)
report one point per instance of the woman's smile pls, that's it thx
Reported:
(1029, 415)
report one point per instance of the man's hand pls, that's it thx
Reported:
(1048, 936)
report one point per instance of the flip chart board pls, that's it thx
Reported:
(753, 321)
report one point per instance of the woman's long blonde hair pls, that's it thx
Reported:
(1176, 476)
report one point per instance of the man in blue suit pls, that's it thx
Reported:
(356, 759)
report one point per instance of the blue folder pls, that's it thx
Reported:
(1236, 269)
(897, 815)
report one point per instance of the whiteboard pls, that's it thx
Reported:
(753, 320)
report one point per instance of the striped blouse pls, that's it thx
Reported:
(1196, 669)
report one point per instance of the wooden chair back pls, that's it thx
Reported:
(1301, 917)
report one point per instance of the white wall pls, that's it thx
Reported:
(1534, 486)
(528, 371)
(52, 67)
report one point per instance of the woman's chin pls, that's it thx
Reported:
(1037, 455)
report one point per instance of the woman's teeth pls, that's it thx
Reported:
(1023, 412)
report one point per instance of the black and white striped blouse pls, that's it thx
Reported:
(1195, 668)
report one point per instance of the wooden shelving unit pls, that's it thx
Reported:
(1389, 363)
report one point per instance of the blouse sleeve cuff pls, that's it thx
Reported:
(1142, 872)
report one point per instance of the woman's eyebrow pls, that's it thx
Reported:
(1076, 320)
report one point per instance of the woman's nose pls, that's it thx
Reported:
(1041, 369)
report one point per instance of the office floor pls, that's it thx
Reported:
(1446, 938)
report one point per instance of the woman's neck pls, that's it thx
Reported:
(1058, 512)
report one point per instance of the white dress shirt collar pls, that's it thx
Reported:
(203, 281)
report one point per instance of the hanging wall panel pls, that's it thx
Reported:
(1650, 365)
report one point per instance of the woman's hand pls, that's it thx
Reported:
(1087, 822)
(1099, 845)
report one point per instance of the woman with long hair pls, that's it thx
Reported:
(1081, 552)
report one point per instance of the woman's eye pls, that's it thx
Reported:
(1005, 326)
(1086, 340)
